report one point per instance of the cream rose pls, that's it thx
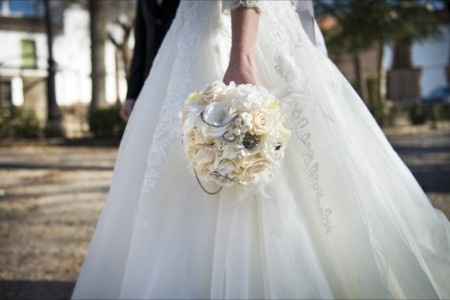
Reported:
(259, 123)
(255, 169)
(196, 138)
(205, 158)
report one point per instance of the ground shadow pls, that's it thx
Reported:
(35, 290)
(59, 167)
(422, 150)
(433, 177)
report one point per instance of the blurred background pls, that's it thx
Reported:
(63, 70)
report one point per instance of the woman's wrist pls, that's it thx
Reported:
(242, 65)
(242, 58)
(242, 68)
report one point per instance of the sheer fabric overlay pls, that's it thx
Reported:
(342, 218)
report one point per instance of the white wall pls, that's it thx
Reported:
(11, 53)
(11, 59)
(72, 54)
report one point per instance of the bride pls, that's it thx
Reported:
(343, 217)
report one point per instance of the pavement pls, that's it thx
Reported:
(51, 197)
(51, 200)
(428, 157)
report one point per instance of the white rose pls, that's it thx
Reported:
(215, 89)
(246, 119)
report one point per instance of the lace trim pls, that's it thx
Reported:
(168, 127)
(298, 91)
(234, 4)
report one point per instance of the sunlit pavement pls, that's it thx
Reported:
(50, 199)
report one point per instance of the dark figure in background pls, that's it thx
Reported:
(153, 19)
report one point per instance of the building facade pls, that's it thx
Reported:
(23, 55)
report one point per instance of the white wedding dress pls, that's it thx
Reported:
(342, 218)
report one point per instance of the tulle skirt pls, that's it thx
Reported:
(343, 217)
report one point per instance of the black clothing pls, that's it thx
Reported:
(153, 19)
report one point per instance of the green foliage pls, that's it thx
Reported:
(19, 123)
(378, 112)
(361, 23)
(441, 112)
(376, 106)
(106, 122)
(357, 25)
(372, 87)
(417, 114)
(392, 114)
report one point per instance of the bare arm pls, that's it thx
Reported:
(242, 65)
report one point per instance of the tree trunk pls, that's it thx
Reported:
(402, 55)
(380, 69)
(448, 65)
(98, 42)
(117, 78)
(359, 79)
(6, 104)
(54, 126)
(126, 57)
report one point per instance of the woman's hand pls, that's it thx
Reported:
(242, 66)
(241, 70)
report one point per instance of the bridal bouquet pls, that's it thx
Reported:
(233, 134)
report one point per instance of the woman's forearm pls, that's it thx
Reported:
(242, 65)
(244, 32)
